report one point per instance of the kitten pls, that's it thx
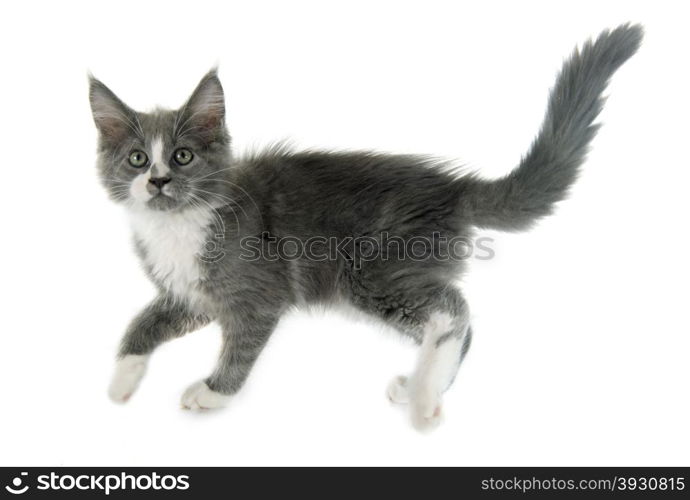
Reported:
(241, 241)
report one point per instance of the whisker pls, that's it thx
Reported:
(213, 173)
(215, 211)
(258, 210)
(223, 198)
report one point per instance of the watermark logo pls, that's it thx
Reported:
(212, 251)
(98, 483)
(362, 249)
(16, 488)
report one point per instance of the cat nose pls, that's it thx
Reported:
(159, 182)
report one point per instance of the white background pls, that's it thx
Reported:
(581, 353)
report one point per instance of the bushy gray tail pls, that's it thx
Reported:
(551, 165)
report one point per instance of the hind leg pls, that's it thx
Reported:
(398, 391)
(445, 340)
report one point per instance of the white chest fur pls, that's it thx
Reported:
(173, 243)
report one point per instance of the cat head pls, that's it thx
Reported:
(165, 159)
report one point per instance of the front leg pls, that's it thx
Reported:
(163, 319)
(244, 337)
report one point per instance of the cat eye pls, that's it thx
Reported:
(138, 159)
(183, 156)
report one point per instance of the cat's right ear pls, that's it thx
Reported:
(113, 118)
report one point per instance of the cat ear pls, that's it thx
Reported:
(204, 113)
(114, 119)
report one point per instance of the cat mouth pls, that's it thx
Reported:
(160, 193)
(162, 201)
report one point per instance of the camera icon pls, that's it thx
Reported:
(16, 488)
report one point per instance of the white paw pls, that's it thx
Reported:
(128, 373)
(397, 390)
(198, 396)
(425, 408)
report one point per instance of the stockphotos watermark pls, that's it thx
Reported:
(356, 250)
(104, 484)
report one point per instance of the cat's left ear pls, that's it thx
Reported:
(203, 114)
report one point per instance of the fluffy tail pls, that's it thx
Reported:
(551, 166)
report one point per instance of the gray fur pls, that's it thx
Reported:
(280, 193)
(551, 165)
(162, 320)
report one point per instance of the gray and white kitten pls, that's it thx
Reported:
(212, 229)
